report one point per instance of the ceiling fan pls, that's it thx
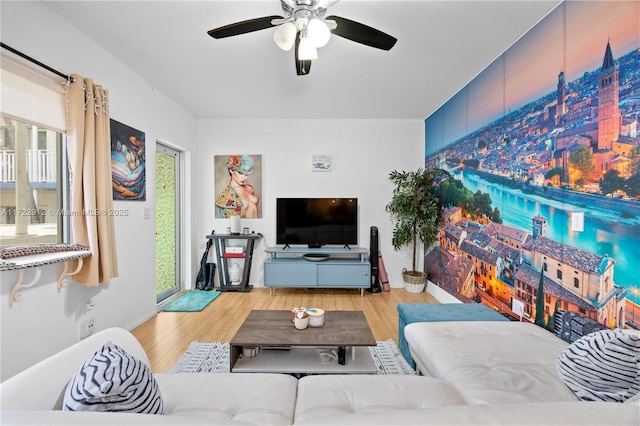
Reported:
(306, 27)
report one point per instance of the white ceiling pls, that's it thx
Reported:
(441, 46)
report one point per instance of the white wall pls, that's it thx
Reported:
(47, 319)
(363, 153)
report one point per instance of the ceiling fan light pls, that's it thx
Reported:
(318, 32)
(285, 35)
(307, 49)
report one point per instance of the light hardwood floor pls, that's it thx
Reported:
(166, 336)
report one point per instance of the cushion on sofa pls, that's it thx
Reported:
(113, 380)
(570, 326)
(491, 362)
(565, 413)
(409, 313)
(602, 366)
(248, 398)
(321, 398)
(103, 418)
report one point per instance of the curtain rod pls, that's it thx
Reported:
(35, 61)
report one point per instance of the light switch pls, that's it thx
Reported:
(146, 213)
(517, 307)
(577, 221)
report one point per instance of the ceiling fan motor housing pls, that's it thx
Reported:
(304, 26)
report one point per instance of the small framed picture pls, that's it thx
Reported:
(321, 163)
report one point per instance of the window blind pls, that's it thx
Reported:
(30, 93)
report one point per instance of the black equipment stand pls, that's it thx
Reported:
(375, 286)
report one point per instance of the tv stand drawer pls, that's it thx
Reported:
(345, 272)
(290, 274)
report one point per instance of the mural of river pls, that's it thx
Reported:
(604, 233)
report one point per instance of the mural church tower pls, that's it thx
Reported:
(609, 120)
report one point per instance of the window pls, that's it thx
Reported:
(576, 283)
(31, 184)
(559, 274)
(33, 171)
(544, 266)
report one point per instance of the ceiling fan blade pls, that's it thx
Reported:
(243, 27)
(303, 66)
(361, 33)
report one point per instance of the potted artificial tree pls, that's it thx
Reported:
(415, 208)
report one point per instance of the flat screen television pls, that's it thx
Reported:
(316, 222)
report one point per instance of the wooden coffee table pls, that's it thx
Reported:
(288, 350)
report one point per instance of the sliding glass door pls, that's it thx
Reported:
(168, 227)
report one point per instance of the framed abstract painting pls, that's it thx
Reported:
(128, 163)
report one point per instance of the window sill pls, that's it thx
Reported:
(36, 261)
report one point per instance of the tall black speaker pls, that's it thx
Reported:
(375, 286)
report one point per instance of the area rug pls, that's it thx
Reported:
(214, 358)
(193, 301)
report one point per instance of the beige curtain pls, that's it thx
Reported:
(89, 147)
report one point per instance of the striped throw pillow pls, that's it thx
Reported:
(113, 380)
(602, 366)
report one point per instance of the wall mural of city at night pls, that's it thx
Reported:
(543, 148)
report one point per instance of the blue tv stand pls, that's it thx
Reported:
(325, 267)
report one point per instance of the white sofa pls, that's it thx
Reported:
(34, 396)
(508, 363)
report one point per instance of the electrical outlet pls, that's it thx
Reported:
(90, 305)
(87, 327)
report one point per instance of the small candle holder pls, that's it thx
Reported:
(301, 321)
(294, 311)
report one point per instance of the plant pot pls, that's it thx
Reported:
(414, 281)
